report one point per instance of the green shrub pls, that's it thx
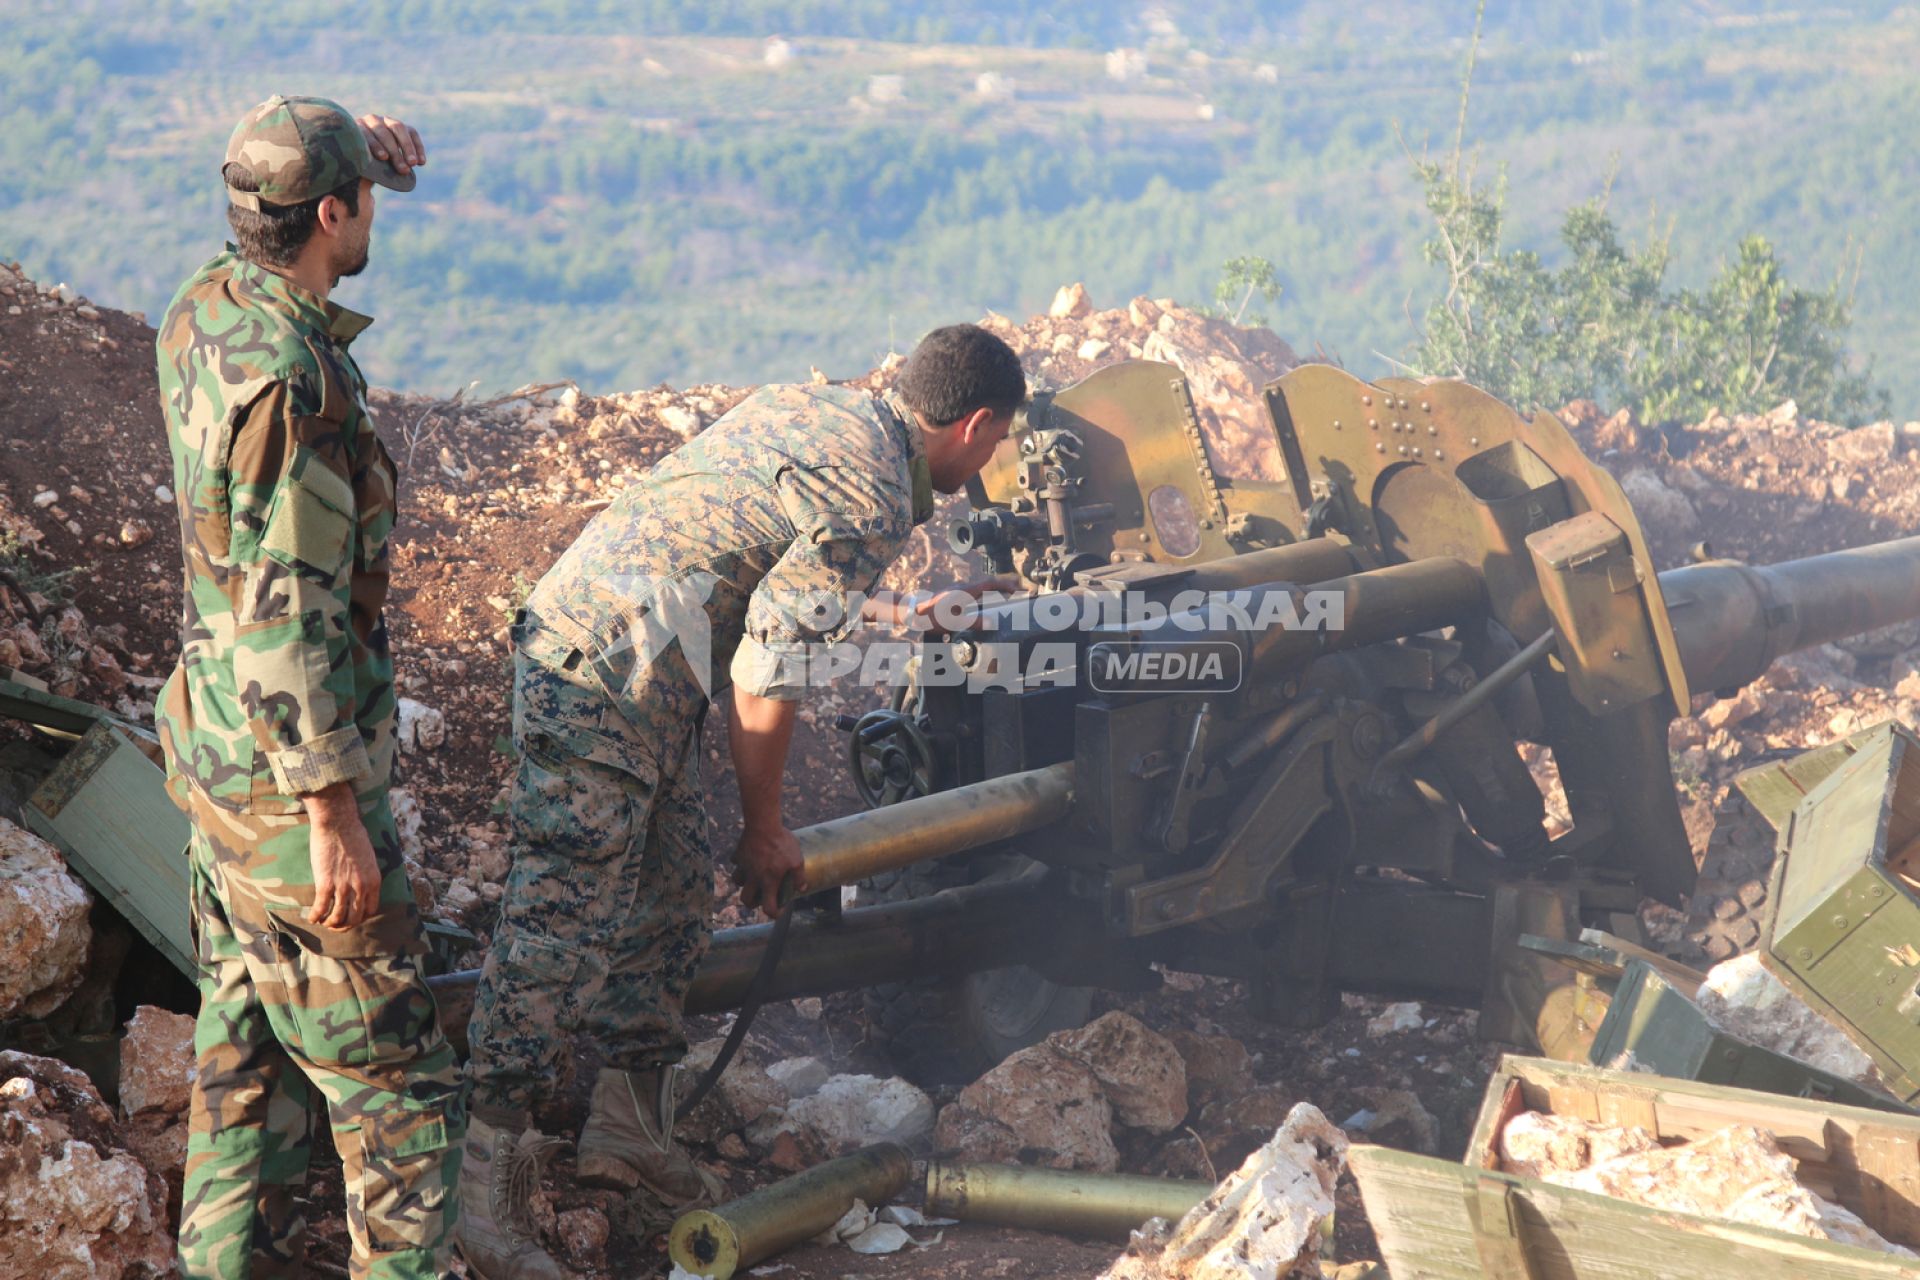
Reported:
(1604, 326)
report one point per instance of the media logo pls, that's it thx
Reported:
(1165, 666)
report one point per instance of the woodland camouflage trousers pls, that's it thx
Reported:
(605, 914)
(289, 1011)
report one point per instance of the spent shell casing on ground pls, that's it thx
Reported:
(719, 1241)
(1109, 1205)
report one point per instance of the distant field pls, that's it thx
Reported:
(626, 209)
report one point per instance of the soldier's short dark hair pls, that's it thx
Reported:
(273, 235)
(958, 369)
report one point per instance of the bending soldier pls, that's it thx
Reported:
(736, 554)
(278, 727)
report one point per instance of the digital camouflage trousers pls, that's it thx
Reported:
(605, 914)
(288, 1011)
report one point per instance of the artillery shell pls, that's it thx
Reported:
(1092, 1204)
(717, 1242)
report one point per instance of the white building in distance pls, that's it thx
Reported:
(1126, 64)
(991, 84)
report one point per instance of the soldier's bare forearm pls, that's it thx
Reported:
(895, 611)
(333, 806)
(759, 733)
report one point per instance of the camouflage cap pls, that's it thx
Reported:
(298, 149)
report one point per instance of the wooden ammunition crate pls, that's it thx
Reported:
(1441, 1221)
(1843, 928)
(1654, 1020)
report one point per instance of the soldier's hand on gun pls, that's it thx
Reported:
(393, 141)
(957, 608)
(346, 876)
(766, 859)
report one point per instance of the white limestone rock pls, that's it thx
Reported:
(74, 1204)
(1264, 1222)
(800, 1077)
(421, 727)
(156, 1062)
(44, 933)
(852, 1111)
(1142, 1072)
(1037, 1107)
(1738, 1174)
(1744, 998)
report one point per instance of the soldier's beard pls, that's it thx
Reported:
(352, 260)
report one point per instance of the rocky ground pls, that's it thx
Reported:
(494, 489)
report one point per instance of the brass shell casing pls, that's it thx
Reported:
(1109, 1205)
(719, 1241)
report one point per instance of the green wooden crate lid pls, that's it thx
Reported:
(106, 808)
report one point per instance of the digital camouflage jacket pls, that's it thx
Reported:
(744, 546)
(286, 502)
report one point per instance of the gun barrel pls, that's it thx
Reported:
(1378, 605)
(1300, 563)
(1732, 620)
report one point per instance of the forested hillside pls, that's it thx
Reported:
(626, 192)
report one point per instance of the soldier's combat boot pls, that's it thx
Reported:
(628, 1141)
(498, 1176)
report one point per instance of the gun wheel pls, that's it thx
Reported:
(890, 757)
(949, 1031)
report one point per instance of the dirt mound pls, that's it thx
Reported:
(1225, 365)
(82, 470)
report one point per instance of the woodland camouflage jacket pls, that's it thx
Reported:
(743, 546)
(286, 502)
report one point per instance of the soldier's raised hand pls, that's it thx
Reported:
(394, 141)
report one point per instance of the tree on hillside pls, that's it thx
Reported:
(1240, 279)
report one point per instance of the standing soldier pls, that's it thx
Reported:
(738, 553)
(278, 726)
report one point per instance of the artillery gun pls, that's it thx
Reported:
(1342, 804)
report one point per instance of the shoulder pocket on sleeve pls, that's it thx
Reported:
(310, 524)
